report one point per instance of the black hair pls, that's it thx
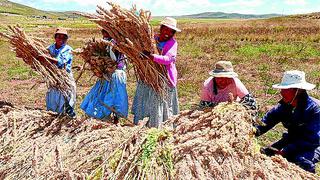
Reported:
(104, 31)
(65, 36)
(301, 93)
(172, 30)
(215, 88)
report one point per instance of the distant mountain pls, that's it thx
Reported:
(222, 15)
(314, 15)
(11, 8)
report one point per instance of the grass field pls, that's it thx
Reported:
(261, 50)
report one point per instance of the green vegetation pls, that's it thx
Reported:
(261, 50)
(296, 51)
(164, 155)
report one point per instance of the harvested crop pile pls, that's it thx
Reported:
(97, 54)
(30, 49)
(219, 145)
(133, 34)
(39, 144)
(216, 144)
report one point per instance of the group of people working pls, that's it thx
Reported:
(297, 111)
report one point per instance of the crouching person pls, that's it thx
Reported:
(222, 82)
(300, 115)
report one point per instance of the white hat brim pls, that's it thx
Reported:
(171, 27)
(305, 85)
(224, 74)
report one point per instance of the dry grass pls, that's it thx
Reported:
(217, 144)
(261, 50)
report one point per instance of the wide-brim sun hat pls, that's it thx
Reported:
(170, 23)
(61, 31)
(294, 79)
(223, 69)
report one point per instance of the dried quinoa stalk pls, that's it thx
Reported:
(217, 144)
(134, 34)
(97, 55)
(29, 49)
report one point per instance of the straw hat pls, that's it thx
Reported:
(294, 79)
(223, 69)
(170, 23)
(61, 31)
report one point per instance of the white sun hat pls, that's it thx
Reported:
(223, 69)
(170, 23)
(294, 79)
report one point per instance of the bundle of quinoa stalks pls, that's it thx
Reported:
(133, 34)
(212, 144)
(29, 49)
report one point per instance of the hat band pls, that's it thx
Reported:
(221, 71)
(292, 83)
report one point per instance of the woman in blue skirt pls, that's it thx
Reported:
(109, 95)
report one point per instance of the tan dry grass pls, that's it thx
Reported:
(216, 144)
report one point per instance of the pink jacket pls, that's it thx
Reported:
(168, 58)
(236, 88)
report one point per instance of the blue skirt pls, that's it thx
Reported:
(57, 102)
(111, 93)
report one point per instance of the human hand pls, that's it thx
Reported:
(77, 68)
(253, 131)
(280, 152)
(146, 54)
(269, 151)
(41, 58)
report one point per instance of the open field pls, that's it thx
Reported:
(261, 50)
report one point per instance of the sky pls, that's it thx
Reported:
(184, 7)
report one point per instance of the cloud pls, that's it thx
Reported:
(296, 2)
(184, 7)
(242, 3)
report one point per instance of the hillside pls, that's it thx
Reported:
(222, 15)
(11, 8)
(315, 15)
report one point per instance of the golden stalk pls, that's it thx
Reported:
(30, 49)
(133, 34)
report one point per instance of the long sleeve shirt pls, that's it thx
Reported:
(63, 55)
(116, 55)
(168, 58)
(302, 123)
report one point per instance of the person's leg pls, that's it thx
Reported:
(282, 142)
(115, 119)
(271, 150)
(140, 106)
(306, 161)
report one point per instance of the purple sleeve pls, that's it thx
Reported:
(168, 57)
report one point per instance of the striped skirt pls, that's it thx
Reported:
(147, 103)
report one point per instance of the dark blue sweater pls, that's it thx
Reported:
(302, 123)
